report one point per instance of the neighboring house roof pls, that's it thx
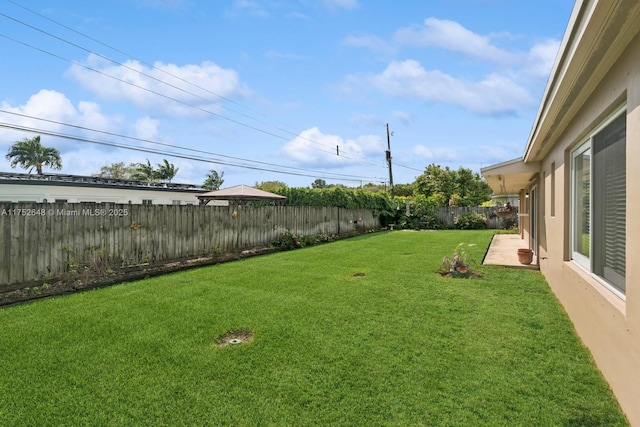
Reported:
(240, 193)
(90, 181)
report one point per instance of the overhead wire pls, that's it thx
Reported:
(177, 155)
(343, 153)
(336, 175)
(152, 91)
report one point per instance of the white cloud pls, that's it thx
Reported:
(146, 128)
(312, 147)
(436, 154)
(495, 94)
(403, 117)
(55, 109)
(371, 42)
(503, 89)
(541, 58)
(451, 35)
(140, 84)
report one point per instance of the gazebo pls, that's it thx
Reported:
(241, 194)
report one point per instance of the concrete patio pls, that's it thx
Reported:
(504, 251)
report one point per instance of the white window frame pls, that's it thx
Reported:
(577, 257)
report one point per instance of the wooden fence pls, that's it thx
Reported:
(40, 240)
(448, 215)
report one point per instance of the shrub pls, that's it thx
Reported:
(307, 241)
(287, 241)
(325, 237)
(470, 221)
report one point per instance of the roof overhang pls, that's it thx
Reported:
(597, 34)
(510, 177)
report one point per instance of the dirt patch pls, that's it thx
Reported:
(234, 337)
(359, 274)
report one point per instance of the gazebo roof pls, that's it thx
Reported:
(240, 193)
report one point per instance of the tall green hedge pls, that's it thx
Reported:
(346, 198)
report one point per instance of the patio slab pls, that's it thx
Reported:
(504, 251)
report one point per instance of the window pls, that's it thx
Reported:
(147, 201)
(598, 201)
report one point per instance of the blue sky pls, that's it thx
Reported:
(277, 90)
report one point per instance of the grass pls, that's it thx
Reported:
(356, 332)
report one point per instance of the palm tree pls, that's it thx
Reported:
(144, 172)
(166, 171)
(29, 154)
(213, 180)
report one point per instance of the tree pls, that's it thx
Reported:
(403, 190)
(462, 187)
(29, 154)
(271, 186)
(319, 183)
(166, 171)
(436, 182)
(117, 170)
(471, 189)
(213, 180)
(145, 172)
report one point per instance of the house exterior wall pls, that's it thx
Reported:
(608, 324)
(77, 194)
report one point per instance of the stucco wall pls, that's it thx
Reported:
(607, 324)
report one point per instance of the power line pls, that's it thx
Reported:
(165, 144)
(307, 173)
(165, 96)
(156, 79)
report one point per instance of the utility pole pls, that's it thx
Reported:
(388, 155)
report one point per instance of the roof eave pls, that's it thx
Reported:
(597, 34)
(510, 177)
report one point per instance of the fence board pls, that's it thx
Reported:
(71, 236)
(447, 215)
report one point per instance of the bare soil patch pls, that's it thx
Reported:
(234, 337)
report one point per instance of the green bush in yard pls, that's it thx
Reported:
(287, 241)
(470, 221)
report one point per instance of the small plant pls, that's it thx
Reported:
(307, 241)
(510, 223)
(325, 237)
(470, 221)
(287, 241)
(459, 264)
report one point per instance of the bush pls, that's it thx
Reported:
(307, 241)
(287, 241)
(470, 221)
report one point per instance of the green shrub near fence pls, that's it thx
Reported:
(470, 221)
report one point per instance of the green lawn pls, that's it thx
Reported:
(359, 332)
